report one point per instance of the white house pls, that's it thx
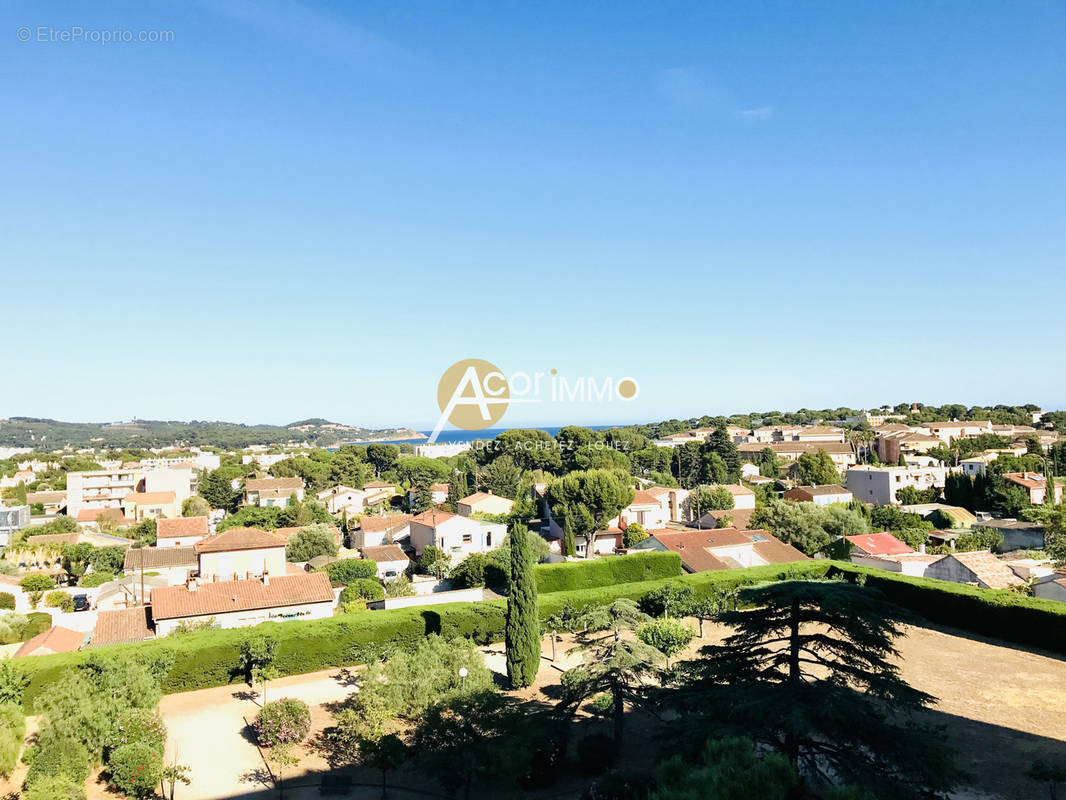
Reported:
(240, 553)
(949, 431)
(375, 530)
(340, 499)
(176, 564)
(180, 531)
(392, 561)
(456, 535)
(879, 485)
(270, 492)
(438, 494)
(484, 503)
(823, 495)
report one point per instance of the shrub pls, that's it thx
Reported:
(58, 755)
(54, 787)
(311, 542)
(37, 583)
(635, 534)
(12, 731)
(94, 579)
(400, 586)
(673, 600)
(138, 725)
(343, 572)
(606, 571)
(362, 589)
(59, 599)
(470, 571)
(7, 601)
(979, 540)
(286, 721)
(136, 768)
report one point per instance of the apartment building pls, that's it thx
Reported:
(108, 488)
(869, 484)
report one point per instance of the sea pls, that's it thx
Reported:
(455, 436)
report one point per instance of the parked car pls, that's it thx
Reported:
(81, 602)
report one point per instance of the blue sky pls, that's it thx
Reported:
(295, 210)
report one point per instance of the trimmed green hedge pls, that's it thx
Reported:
(997, 613)
(606, 571)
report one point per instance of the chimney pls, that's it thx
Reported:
(266, 578)
(921, 548)
(192, 584)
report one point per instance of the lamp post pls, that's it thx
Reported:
(463, 674)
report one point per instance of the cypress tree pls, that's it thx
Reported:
(569, 546)
(522, 632)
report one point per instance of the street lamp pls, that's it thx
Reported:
(463, 674)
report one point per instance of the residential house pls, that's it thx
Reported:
(242, 603)
(959, 516)
(870, 484)
(890, 446)
(842, 454)
(948, 432)
(122, 626)
(379, 492)
(11, 519)
(267, 460)
(822, 495)
(1051, 587)
(1017, 535)
(21, 476)
(438, 494)
(673, 502)
(175, 564)
(979, 567)
(54, 640)
(51, 502)
(343, 499)
(739, 518)
(885, 551)
(392, 561)
(819, 433)
(271, 492)
(484, 503)
(723, 548)
(743, 497)
(180, 531)
(1035, 484)
(456, 535)
(646, 510)
(140, 506)
(978, 465)
(240, 553)
(93, 518)
(377, 530)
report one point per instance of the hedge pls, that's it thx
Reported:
(997, 613)
(606, 571)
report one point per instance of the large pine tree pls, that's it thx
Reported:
(812, 673)
(522, 633)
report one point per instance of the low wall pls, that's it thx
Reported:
(456, 596)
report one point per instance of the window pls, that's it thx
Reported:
(468, 538)
(488, 539)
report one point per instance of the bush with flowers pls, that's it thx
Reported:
(138, 725)
(286, 721)
(136, 768)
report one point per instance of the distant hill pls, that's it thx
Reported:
(50, 434)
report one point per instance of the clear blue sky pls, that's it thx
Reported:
(312, 210)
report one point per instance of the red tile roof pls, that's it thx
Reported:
(159, 558)
(53, 640)
(272, 484)
(988, 569)
(239, 539)
(880, 544)
(182, 526)
(375, 524)
(385, 552)
(172, 602)
(93, 514)
(644, 498)
(696, 547)
(122, 625)
(433, 517)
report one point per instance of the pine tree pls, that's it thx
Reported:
(522, 632)
(902, 461)
(812, 672)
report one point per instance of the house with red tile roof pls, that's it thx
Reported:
(879, 544)
(884, 551)
(484, 503)
(1035, 484)
(722, 548)
(273, 491)
(377, 529)
(122, 625)
(390, 558)
(140, 506)
(242, 603)
(53, 640)
(456, 535)
(979, 568)
(240, 553)
(180, 531)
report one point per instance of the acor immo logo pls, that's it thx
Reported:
(474, 394)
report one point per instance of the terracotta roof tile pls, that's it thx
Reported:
(181, 526)
(171, 602)
(159, 558)
(144, 498)
(433, 517)
(696, 548)
(272, 484)
(385, 552)
(988, 569)
(238, 539)
(376, 524)
(122, 625)
(879, 544)
(53, 640)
